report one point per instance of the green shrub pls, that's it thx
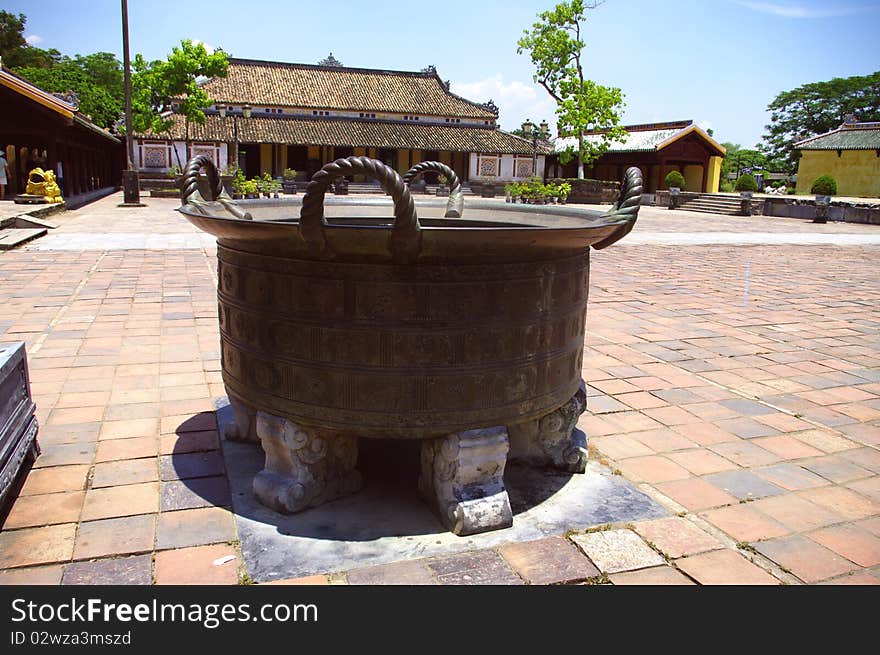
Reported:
(726, 187)
(746, 182)
(824, 185)
(674, 179)
(288, 174)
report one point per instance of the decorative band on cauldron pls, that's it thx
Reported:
(434, 294)
(414, 405)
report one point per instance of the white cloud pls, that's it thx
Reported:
(799, 10)
(208, 46)
(517, 100)
(33, 39)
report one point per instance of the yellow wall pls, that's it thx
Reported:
(857, 172)
(446, 158)
(265, 158)
(402, 161)
(693, 177)
(417, 157)
(315, 153)
(714, 177)
(282, 150)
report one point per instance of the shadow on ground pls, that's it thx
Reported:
(387, 520)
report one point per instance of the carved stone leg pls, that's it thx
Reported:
(463, 478)
(304, 467)
(552, 440)
(244, 428)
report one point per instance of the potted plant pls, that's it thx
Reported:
(824, 187)
(674, 182)
(746, 184)
(511, 192)
(238, 179)
(443, 189)
(563, 188)
(250, 189)
(289, 181)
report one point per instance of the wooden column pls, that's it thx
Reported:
(705, 176)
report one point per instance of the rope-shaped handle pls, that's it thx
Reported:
(627, 207)
(190, 183)
(189, 188)
(455, 205)
(406, 238)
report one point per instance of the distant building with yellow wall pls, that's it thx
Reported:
(850, 154)
(655, 148)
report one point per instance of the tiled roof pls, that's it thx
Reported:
(850, 136)
(353, 89)
(639, 139)
(354, 133)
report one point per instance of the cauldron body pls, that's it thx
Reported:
(408, 351)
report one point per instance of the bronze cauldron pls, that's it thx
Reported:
(466, 333)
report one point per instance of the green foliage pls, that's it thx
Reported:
(824, 185)
(156, 84)
(555, 46)
(238, 180)
(95, 79)
(726, 186)
(739, 158)
(16, 51)
(817, 108)
(249, 187)
(288, 174)
(674, 179)
(746, 182)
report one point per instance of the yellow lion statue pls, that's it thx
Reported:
(42, 183)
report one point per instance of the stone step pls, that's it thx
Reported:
(16, 236)
(710, 205)
(711, 210)
(714, 201)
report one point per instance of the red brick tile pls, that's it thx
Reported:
(413, 572)
(38, 575)
(676, 537)
(134, 448)
(695, 494)
(553, 560)
(45, 509)
(121, 501)
(795, 513)
(658, 575)
(125, 471)
(197, 565)
(786, 447)
(804, 558)
(652, 468)
(32, 546)
(851, 542)
(55, 479)
(307, 580)
(702, 462)
(744, 523)
(724, 567)
(849, 504)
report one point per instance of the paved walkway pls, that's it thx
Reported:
(738, 385)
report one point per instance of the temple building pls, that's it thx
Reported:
(39, 129)
(657, 149)
(302, 116)
(850, 154)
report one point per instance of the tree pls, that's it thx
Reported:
(739, 160)
(69, 78)
(554, 44)
(817, 108)
(14, 48)
(160, 87)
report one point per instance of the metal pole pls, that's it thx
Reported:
(130, 181)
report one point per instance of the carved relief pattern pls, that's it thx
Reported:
(523, 168)
(553, 440)
(463, 478)
(304, 467)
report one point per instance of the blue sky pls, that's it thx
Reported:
(718, 62)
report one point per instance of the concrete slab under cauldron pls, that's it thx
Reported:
(387, 521)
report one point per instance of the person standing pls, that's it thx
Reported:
(4, 168)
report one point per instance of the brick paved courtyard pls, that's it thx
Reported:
(738, 385)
